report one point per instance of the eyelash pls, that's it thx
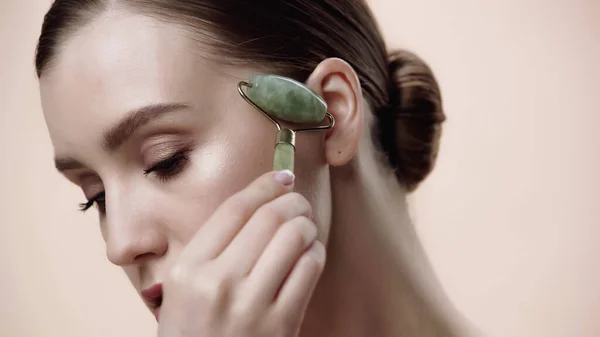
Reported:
(164, 170)
(169, 168)
(98, 200)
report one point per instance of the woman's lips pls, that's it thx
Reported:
(156, 312)
(153, 297)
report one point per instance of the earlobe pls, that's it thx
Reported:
(337, 82)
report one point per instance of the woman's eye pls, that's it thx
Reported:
(98, 200)
(170, 167)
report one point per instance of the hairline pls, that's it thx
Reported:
(198, 32)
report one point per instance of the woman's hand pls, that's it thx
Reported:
(251, 268)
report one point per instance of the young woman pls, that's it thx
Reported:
(141, 102)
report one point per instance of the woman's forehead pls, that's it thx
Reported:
(118, 50)
(117, 64)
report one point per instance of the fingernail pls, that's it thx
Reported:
(285, 177)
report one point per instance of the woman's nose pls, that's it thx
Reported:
(127, 247)
(133, 235)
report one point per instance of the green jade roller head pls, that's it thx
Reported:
(283, 99)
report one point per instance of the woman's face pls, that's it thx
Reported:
(136, 112)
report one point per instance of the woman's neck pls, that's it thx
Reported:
(377, 281)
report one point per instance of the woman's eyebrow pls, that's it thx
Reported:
(64, 164)
(120, 133)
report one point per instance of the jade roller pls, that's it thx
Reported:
(283, 99)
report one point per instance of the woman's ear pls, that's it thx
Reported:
(337, 82)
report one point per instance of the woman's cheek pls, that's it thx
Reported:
(219, 169)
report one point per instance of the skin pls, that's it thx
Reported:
(162, 229)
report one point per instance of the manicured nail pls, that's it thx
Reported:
(285, 177)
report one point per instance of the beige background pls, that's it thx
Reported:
(510, 217)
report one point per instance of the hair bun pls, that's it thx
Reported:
(411, 126)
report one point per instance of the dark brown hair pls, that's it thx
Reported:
(292, 37)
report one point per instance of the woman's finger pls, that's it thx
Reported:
(250, 243)
(297, 289)
(220, 229)
(279, 258)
